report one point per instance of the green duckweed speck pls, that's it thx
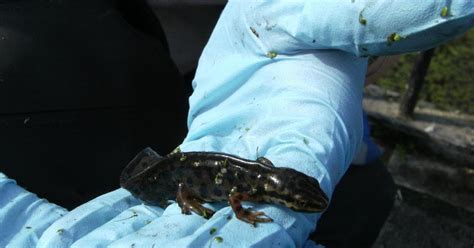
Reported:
(272, 54)
(218, 239)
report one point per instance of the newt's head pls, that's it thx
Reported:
(296, 191)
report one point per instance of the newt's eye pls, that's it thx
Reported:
(302, 202)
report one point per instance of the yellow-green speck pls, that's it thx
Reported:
(213, 230)
(183, 158)
(444, 11)
(176, 150)
(224, 163)
(272, 54)
(362, 20)
(394, 37)
(218, 178)
(218, 239)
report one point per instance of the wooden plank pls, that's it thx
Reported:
(396, 131)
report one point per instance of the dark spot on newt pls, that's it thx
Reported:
(272, 194)
(178, 174)
(217, 192)
(189, 181)
(245, 187)
(291, 184)
(230, 178)
(301, 184)
(203, 189)
(198, 173)
(253, 176)
(150, 179)
(241, 177)
(280, 187)
(260, 188)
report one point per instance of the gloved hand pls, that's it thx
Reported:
(265, 86)
(23, 216)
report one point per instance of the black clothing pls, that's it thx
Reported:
(84, 86)
(359, 207)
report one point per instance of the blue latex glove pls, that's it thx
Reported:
(23, 216)
(266, 86)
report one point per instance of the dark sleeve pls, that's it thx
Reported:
(140, 15)
(84, 86)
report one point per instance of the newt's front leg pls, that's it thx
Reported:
(188, 202)
(249, 216)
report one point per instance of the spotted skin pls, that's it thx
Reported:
(193, 178)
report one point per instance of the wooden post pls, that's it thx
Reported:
(417, 79)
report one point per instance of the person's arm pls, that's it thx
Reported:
(362, 28)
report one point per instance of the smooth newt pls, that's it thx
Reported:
(193, 178)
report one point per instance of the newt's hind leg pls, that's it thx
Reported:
(249, 216)
(188, 202)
